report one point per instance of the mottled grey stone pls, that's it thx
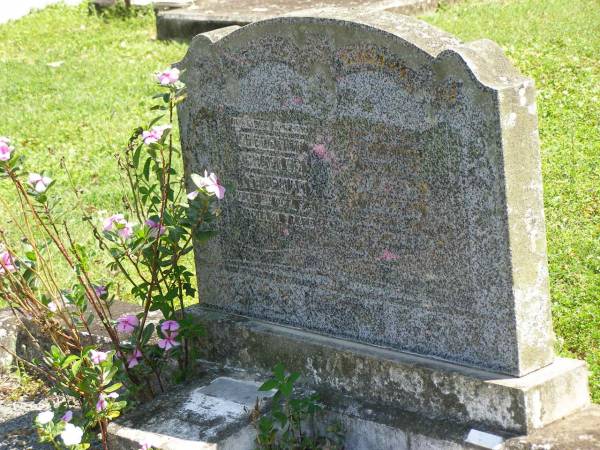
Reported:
(384, 186)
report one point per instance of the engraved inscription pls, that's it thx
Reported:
(273, 184)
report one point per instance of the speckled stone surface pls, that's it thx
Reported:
(384, 186)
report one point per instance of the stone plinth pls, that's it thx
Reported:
(352, 376)
(384, 186)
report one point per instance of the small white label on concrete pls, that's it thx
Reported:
(485, 440)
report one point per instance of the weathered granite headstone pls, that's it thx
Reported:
(385, 187)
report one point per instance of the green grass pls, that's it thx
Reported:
(557, 43)
(84, 110)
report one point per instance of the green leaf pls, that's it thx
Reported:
(146, 171)
(280, 417)
(265, 424)
(279, 372)
(109, 376)
(286, 388)
(113, 388)
(136, 156)
(148, 332)
(68, 360)
(293, 377)
(268, 385)
(56, 353)
(157, 118)
(75, 367)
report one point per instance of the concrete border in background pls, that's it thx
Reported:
(183, 24)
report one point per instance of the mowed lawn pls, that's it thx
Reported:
(557, 43)
(84, 108)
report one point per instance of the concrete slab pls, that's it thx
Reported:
(210, 414)
(346, 373)
(579, 431)
(206, 15)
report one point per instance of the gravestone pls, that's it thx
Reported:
(382, 230)
(383, 190)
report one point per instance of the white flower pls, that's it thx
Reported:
(52, 307)
(71, 435)
(39, 182)
(44, 417)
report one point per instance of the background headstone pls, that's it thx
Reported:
(199, 16)
(385, 186)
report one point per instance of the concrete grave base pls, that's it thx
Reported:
(351, 375)
(216, 413)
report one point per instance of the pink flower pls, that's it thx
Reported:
(127, 324)
(100, 290)
(52, 307)
(156, 229)
(98, 357)
(210, 183)
(192, 195)
(320, 151)
(101, 404)
(388, 256)
(117, 222)
(67, 416)
(168, 342)
(39, 182)
(133, 359)
(6, 262)
(145, 445)
(169, 326)
(5, 149)
(153, 136)
(169, 76)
